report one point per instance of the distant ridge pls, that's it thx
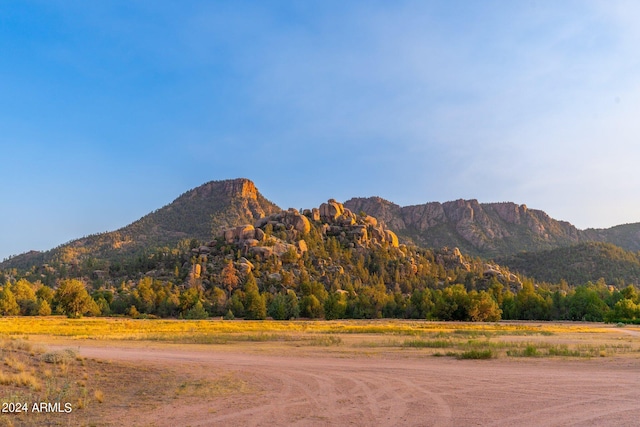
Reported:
(578, 264)
(488, 229)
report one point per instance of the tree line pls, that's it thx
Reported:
(154, 298)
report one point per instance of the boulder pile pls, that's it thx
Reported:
(284, 232)
(355, 230)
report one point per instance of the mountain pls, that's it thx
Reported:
(578, 264)
(627, 236)
(197, 214)
(226, 255)
(487, 230)
(482, 229)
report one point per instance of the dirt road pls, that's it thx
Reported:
(389, 390)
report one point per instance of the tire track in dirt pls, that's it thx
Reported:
(322, 390)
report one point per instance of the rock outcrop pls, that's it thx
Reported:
(485, 229)
(355, 230)
(284, 232)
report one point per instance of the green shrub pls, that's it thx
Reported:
(529, 351)
(476, 354)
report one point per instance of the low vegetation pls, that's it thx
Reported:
(461, 340)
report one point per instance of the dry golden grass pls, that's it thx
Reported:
(201, 330)
(503, 339)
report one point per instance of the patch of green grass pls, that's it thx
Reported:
(477, 354)
(529, 351)
(447, 354)
(562, 351)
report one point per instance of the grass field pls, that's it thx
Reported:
(31, 372)
(488, 340)
(125, 328)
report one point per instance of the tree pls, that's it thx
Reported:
(483, 308)
(235, 303)
(25, 297)
(625, 309)
(44, 309)
(421, 303)
(188, 299)
(196, 312)
(8, 303)
(103, 305)
(217, 298)
(530, 305)
(451, 303)
(311, 307)
(71, 298)
(255, 305)
(293, 307)
(630, 293)
(278, 307)
(144, 296)
(45, 293)
(586, 304)
(229, 277)
(335, 306)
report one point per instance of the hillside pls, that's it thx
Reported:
(627, 236)
(197, 214)
(578, 264)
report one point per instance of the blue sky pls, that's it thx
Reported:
(109, 110)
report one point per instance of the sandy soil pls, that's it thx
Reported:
(324, 388)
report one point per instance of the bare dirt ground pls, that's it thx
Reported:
(268, 385)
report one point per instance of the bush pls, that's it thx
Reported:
(529, 351)
(196, 312)
(61, 356)
(476, 354)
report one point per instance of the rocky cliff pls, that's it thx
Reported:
(485, 229)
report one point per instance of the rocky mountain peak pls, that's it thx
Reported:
(240, 187)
